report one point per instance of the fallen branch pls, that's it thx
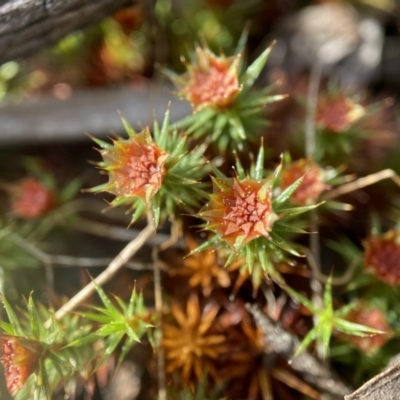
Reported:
(384, 386)
(28, 26)
(280, 341)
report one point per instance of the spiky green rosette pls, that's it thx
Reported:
(226, 109)
(329, 319)
(158, 174)
(126, 323)
(34, 356)
(248, 214)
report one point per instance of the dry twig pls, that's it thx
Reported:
(119, 261)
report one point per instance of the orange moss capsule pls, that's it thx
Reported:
(136, 167)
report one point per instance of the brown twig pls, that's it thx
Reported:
(363, 182)
(310, 144)
(52, 260)
(119, 261)
(280, 341)
(162, 394)
(337, 280)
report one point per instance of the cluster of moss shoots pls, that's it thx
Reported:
(255, 220)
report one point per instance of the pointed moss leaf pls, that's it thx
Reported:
(217, 172)
(7, 328)
(139, 301)
(328, 294)
(129, 343)
(164, 129)
(259, 169)
(82, 341)
(112, 315)
(132, 302)
(101, 143)
(70, 190)
(253, 71)
(34, 319)
(311, 336)
(285, 195)
(44, 380)
(52, 337)
(281, 227)
(230, 259)
(292, 212)
(120, 201)
(156, 132)
(178, 152)
(61, 366)
(250, 255)
(132, 334)
(172, 75)
(352, 328)
(209, 243)
(220, 122)
(37, 394)
(337, 205)
(128, 127)
(96, 317)
(275, 98)
(279, 242)
(238, 127)
(122, 304)
(302, 300)
(265, 261)
(223, 143)
(239, 167)
(111, 345)
(111, 328)
(277, 172)
(325, 335)
(242, 40)
(200, 119)
(255, 100)
(105, 300)
(14, 322)
(203, 130)
(343, 311)
(139, 211)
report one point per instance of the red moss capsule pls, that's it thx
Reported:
(337, 113)
(31, 199)
(382, 257)
(20, 358)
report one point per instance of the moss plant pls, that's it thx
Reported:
(265, 226)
